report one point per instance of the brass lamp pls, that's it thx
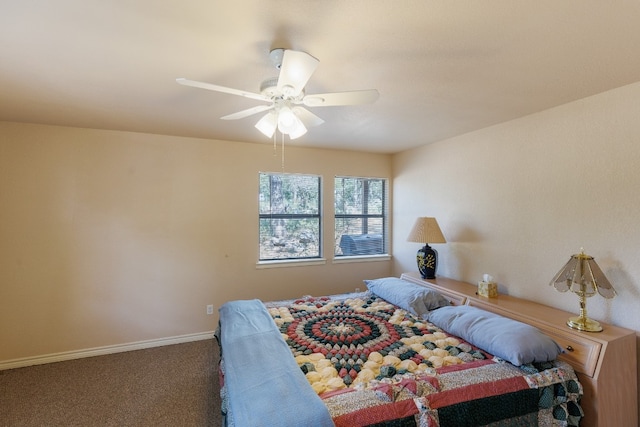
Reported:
(426, 230)
(582, 276)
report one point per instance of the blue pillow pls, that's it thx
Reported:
(513, 341)
(409, 296)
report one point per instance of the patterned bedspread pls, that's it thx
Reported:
(373, 363)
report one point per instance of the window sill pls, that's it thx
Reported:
(321, 261)
(290, 263)
(360, 258)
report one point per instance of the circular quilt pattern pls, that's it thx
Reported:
(340, 343)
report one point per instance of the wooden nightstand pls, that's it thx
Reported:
(605, 362)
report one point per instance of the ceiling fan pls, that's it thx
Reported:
(286, 98)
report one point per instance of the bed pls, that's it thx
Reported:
(396, 355)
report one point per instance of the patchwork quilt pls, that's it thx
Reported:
(375, 364)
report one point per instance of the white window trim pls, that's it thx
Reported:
(360, 258)
(290, 263)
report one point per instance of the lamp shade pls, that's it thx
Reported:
(290, 124)
(268, 124)
(287, 120)
(426, 230)
(582, 274)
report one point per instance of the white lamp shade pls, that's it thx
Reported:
(268, 124)
(287, 120)
(298, 131)
(290, 124)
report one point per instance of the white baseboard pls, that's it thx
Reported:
(100, 351)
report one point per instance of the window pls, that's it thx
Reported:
(361, 216)
(290, 222)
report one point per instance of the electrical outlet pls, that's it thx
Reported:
(210, 309)
(357, 289)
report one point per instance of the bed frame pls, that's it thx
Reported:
(605, 362)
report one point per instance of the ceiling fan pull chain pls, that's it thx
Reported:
(275, 147)
(282, 134)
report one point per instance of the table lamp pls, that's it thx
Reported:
(426, 230)
(582, 276)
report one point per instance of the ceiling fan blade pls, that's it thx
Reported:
(224, 89)
(246, 113)
(296, 70)
(341, 98)
(307, 117)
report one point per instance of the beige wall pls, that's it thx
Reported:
(112, 237)
(517, 199)
(109, 238)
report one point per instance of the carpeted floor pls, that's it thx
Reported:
(175, 385)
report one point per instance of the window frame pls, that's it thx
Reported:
(384, 216)
(319, 217)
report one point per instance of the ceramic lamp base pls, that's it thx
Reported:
(427, 258)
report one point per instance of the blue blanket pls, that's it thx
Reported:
(264, 384)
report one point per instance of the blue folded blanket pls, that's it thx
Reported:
(265, 386)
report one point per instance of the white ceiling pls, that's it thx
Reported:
(443, 68)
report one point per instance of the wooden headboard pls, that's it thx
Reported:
(605, 362)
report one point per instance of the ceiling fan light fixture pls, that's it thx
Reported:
(287, 120)
(298, 131)
(268, 124)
